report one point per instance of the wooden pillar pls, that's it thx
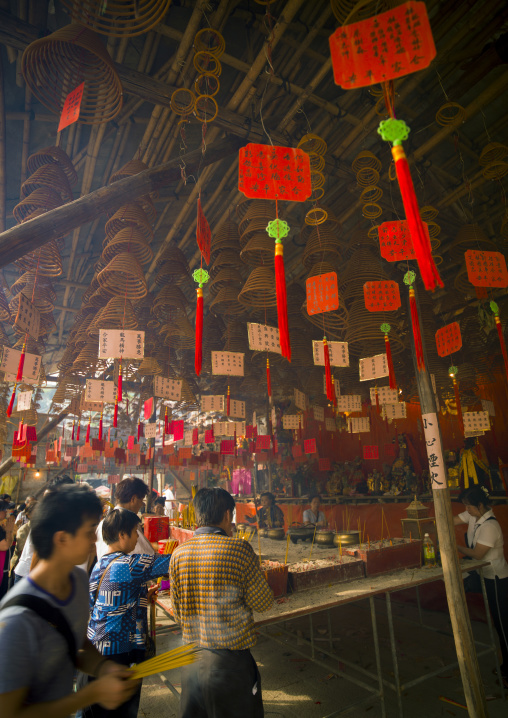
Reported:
(461, 625)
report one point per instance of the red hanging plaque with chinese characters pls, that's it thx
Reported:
(227, 446)
(209, 437)
(203, 234)
(383, 47)
(263, 442)
(381, 296)
(448, 339)
(395, 241)
(267, 172)
(309, 446)
(486, 269)
(322, 293)
(371, 452)
(72, 105)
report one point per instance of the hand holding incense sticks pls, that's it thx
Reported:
(176, 658)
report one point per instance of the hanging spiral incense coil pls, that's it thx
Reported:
(492, 160)
(367, 177)
(206, 108)
(322, 245)
(227, 276)
(44, 296)
(209, 40)
(226, 237)
(206, 84)
(469, 236)
(226, 258)
(450, 113)
(48, 176)
(46, 260)
(259, 289)
(130, 215)
(47, 325)
(183, 101)
(373, 233)
(169, 299)
(226, 302)
(55, 65)
(365, 159)
(5, 313)
(123, 276)
(87, 362)
(117, 314)
(42, 198)
(173, 267)
(316, 216)
(315, 147)
(127, 240)
(118, 18)
(428, 213)
(258, 251)
(149, 367)
(363, 332)
(134, 167)
(205, 62)
(371, 211)
(496, 170)
(53, 156)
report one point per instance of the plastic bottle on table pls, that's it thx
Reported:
(429, 553)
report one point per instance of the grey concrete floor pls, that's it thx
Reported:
(294, 686)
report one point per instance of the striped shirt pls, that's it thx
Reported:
(118, 616)
(216, 583)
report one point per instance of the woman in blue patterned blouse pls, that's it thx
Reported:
(116, 625)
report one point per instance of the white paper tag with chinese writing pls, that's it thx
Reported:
(476, 421)
(349, 402)
(470, 434)
(126, 343)
(336, 384)
(263, 338)
(212, 402)
(101, 391)
(395, 411)
(373, 367)
(434, 452)
(337, 351)
(385, 395)
(359, 425)
(330, 425)
(319, 413)
(24, 400)
(10, 363)
(230, 363)
(28, 318)
(300, 399)
(168, 388)
(291, 421)
(150, 430)
(227, 428)
(237, 409)
(187, 438)
(489, 407)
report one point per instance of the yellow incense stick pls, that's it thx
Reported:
(176, 658)
(287, 549)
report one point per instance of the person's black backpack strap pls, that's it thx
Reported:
(49, 613)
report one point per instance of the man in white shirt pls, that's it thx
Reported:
(170, 501)
(130, 494)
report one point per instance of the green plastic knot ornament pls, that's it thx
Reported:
(392, 130)
(409, 277)
(278, 229)
(453, 371)
(200, 276)
(494, 307)
(385, 328)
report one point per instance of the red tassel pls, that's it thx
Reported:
(11, 403)
(19, 376)
(228, 403)
(87, 439)
(73, 427)
(166, 422)
(268, 379)
(328, 371)
(100, 428)
(282, 308)
(120, 382)
(139, 429)
(235, 440)
(198, 352)
(502, 342)
(78, 432)
(389, 361)
(459, 407)
(300, 430)
(115, 415)
(127, 405)
(420, 361)
(421, 243)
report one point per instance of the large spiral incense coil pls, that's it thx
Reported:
(182, 102)
(47, 325)
(451, 113)
(48, 176)
(226, 302)
(226, 237)
(492, 160)
(366, 159)
(259, 289)
(316, 148)
(87, 361)
(173, 267)
(55, 65)
(149, 367)
(44, 295)
(206, 108)
(53, 156)
(363, 332)
(180, 332)
(364, 266)
(130, 215)
(127, 240)
(209, 40)
(134, 167)
(117, 314)
(5, 313)
(46, 260)
(322, 245)
(123, 276)
(227, 276)
(470, 236)
(42, 198)
(258, 252)
(168, 300)
(205, 62)
(118, 18)
(226, 258)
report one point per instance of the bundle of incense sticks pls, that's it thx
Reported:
(170, 546)
(246, 534)
(176, 658)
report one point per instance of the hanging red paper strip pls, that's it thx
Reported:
(227, 446)
(148, 409)
(371, 452)
(381, 296)
(267, 172)
(203, 234)
(176, 428)
(383, 47)
(322, 293)
(70, 110)
(448, 339)
(209, 436)
(486, 269)
(195, 437)
(395, 240)
(263, 442)
(309, 446)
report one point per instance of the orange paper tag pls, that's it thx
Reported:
(322, 293)
(448, 339)
(72, 104)
(268, 172)
(486, 269)
(381, 296)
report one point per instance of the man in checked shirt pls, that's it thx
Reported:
(216, 584)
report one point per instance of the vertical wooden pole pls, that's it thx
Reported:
(152, 465)
(461, 625)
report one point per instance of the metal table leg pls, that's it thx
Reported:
(491, 633)
(377, 654)
(394, 653)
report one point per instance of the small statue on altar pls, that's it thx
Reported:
(473, 465)
(377, 481)
(410, 480)
(370, 483)
(334, 485)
